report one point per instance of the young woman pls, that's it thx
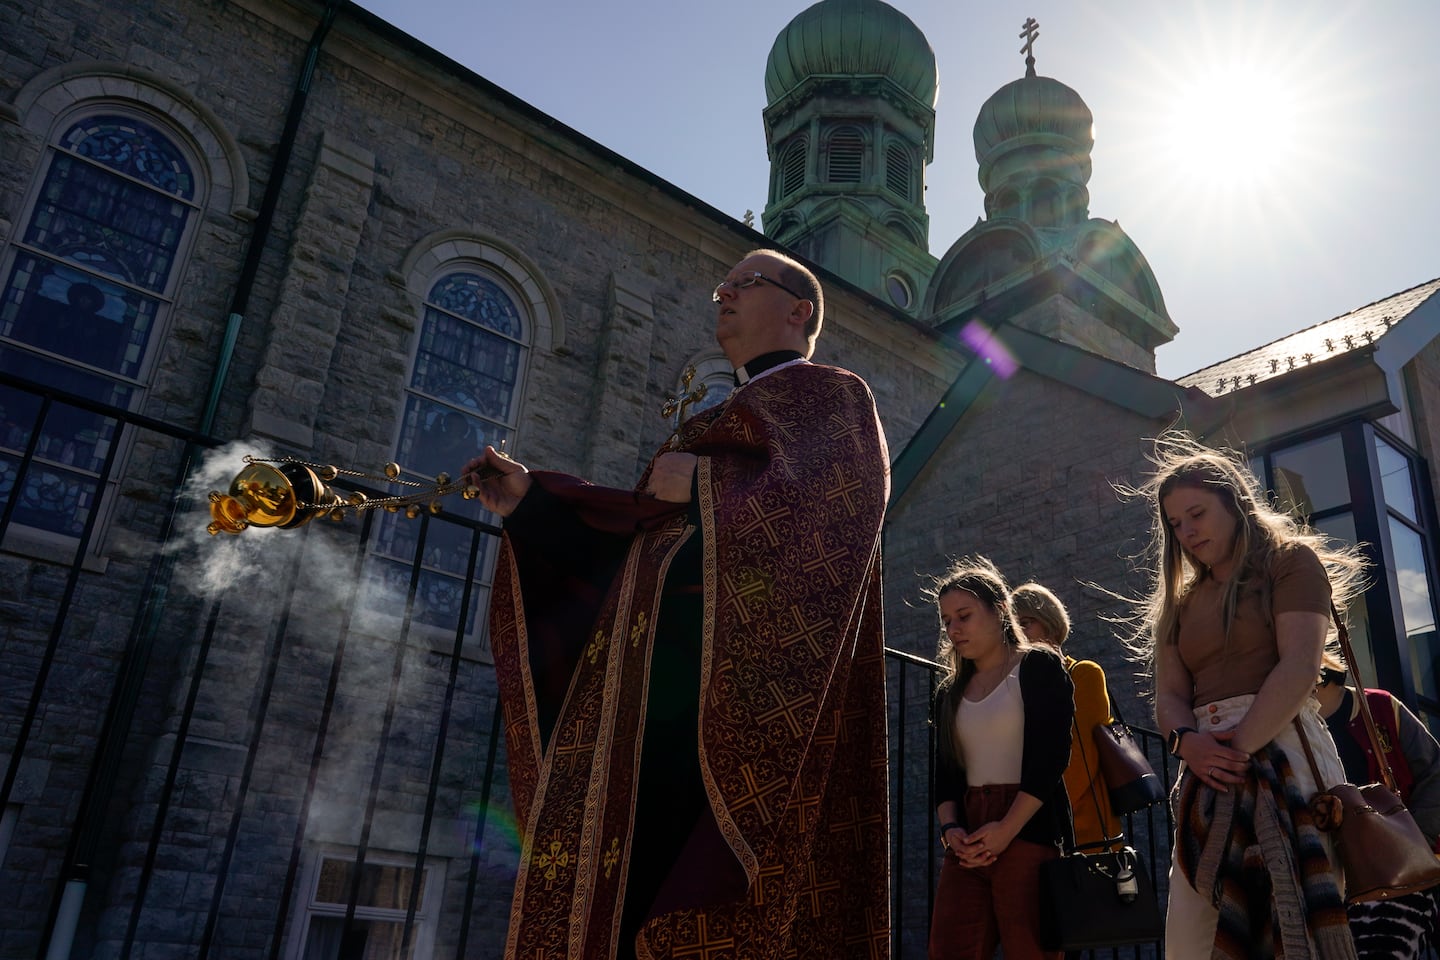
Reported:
(1043, 619)
(1234, 627)
(1003, 713)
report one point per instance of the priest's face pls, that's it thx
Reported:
(754, 316)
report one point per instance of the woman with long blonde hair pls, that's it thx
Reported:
(1233, 628)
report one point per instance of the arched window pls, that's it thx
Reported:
(1007, 204)
(89, 282)
(463, 393)
(845, 157)
(898, 170)
(792, 167)
(903, 230)
(1047, 204)
(463, 382)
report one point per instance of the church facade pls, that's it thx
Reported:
(284, 742)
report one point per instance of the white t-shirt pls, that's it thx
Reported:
(991, 733)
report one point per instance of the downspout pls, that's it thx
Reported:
(66, 907)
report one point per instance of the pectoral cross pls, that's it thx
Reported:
(1029, 32)
(675, 406)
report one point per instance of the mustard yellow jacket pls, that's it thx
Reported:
(1089, 799)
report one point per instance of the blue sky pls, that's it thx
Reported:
(1273, 161)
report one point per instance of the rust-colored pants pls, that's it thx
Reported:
(978, 907)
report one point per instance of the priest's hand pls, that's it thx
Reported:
(506, 481)
(671, 477)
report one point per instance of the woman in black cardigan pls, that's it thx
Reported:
(1003, 712)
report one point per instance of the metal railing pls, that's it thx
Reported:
(192, 726)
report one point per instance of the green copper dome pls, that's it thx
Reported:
(852, 38)
(1035, 108)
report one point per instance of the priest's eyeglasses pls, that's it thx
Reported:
(749, 280)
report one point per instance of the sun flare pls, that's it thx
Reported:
(1236, 127)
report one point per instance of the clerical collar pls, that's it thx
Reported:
(766, 361)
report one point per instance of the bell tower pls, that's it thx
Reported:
(849, 126)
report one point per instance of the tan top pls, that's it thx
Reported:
(1220, 670)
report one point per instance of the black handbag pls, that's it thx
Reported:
(1130, 779)
(1100, 899)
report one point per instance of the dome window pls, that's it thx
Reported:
(898, 289)
(846, 157)
(792, 168)
(897, 170)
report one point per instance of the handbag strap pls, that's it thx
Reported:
(1091, 777)
(1115, 711)
(1309, 754)
(1345, 649)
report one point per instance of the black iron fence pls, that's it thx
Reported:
(279, 744)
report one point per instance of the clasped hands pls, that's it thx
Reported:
(1210, 758)
(980, 847)
(670, 479)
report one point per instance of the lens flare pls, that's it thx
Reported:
(980, 338)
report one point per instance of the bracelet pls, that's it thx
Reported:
(948, 825)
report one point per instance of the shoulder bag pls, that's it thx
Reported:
(1382, 850)
(1128, 775)
(1101, 899)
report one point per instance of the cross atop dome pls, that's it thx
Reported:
(1029, 32)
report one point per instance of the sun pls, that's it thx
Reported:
(1236, 127)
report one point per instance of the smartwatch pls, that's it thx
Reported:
(1173, 743)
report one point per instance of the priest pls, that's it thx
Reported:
(692, 671)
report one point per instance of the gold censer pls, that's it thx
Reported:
(286, 492)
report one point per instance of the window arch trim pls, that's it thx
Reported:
(51, 97)
(435, 253)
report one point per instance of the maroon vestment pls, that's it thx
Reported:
(791, 857)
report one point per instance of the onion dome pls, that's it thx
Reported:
(1036, 111)
(849, 38)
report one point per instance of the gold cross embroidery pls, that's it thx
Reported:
(855, 822)
(575, 749)
(756, 794)
(810, 634)
(552, 858)
(612, 856)
(786, 708)
(843, 490)
(739, 593)
(876, 937)
(814, 888)
(596, 647)
(637, 631)
(824, 560)
(764, 521)
(703, 947)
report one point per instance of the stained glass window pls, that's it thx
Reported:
(467, 367)
(133, 148)
(85, 288)
(462, 396)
